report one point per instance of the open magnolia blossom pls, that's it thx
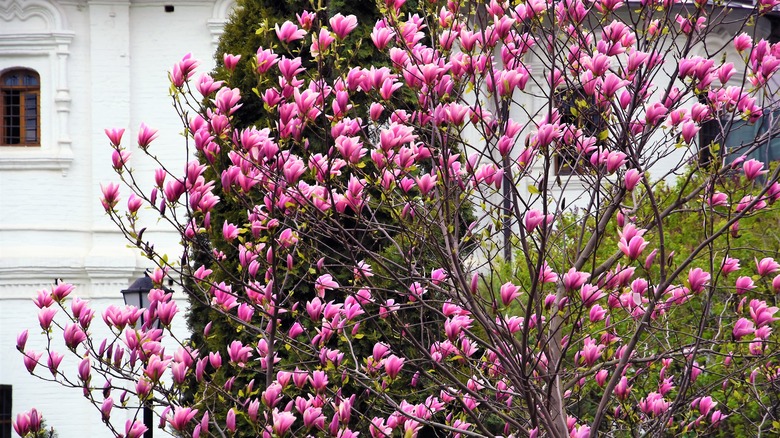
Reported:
(403, 259)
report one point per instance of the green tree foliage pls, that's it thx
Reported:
(251, 27)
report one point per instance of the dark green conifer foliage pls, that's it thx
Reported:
(252, 26)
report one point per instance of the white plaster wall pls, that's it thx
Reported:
(112, 72)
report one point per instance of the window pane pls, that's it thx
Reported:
(30, 103)
(30, 79)
(11, 80)
(31, 118)
(12, 117)
(30, 136)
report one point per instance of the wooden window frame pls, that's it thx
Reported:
(24, 91)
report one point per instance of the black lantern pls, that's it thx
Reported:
(138, 295)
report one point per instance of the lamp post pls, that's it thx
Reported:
(138, 295)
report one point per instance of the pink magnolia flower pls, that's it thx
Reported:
(351, 148)
(650, 259)
(342, 25)
(591, 351)
(416, 290)
(183, 70)
(230, 61)
(27, 422)
(134, 429)
(381, 36)
(509, 292)
(324, 283)
(45, 317)
(698, 278)
(44, 299)
(21, 340)
(84, 369)
(601, 377)
(590, 294)
(313, 417)
(296, 330)
(706, 404)
(73, 336)
(767, 266)
(716, 418)
(115, 135)
(321, 43)
(743, 327)
(744, 284)
(689, 130)
(230, 421)
(597, 313)
(272, 395)
(146, 135)
(776, 284)
(61, 290)
(729, 265)
(655, 113)
(266, 59)
(156, 367)
(654, 404)
(182, 417)
(622, 389)
(239, 353)
(743, 42)
(633, 248)
(282, 421)
(134, 203)
(615, 160)
(105, 408)
(631, 179)
(227, 100)
(288, 238)
(31, 360)
(110, 196)
(306, 19)
(229, 232)
(761, 313)
(582, 431)
(289, 32)
(753, 169)
(22, 424)
(393, 365)
(533, 218)
(734, 229)
(546, 274)
(318, 380)
(119, 158)
(438, 276)
(718, 199)
(573, 279)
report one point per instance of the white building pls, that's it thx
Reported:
(88, 65)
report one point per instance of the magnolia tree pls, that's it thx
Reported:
(534, 319)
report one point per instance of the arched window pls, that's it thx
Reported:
(20, 108)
